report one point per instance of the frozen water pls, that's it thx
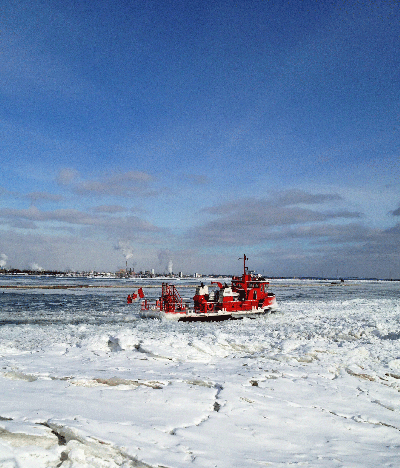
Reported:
(84, 382)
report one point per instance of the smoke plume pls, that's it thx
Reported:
(125, 248)
(3, 260)
(35, 267)
(164, 258)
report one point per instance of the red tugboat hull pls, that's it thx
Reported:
(247, 296)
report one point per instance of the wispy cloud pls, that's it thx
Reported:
(34, 218)
(110, 209)
(197, 179)
(256, 220)
(121, 184)
(299, 197)
(38, 197)
(68, 176)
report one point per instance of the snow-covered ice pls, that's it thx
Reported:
(84, 382)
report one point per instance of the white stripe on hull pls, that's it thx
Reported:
(221, 315)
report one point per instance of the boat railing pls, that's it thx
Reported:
(171, 300)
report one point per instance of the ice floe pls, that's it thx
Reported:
(85, 383)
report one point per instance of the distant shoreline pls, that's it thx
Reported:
(152, 286)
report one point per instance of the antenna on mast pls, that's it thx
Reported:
(244, 262)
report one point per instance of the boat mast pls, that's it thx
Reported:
(244, 264)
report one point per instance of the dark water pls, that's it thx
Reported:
(90, 301)
(51, 301)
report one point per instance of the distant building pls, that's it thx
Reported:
(121, 273)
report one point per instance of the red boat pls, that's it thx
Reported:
(247, 296)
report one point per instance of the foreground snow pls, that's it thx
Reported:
(316, 384)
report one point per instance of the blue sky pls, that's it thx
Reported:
(196, 131)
